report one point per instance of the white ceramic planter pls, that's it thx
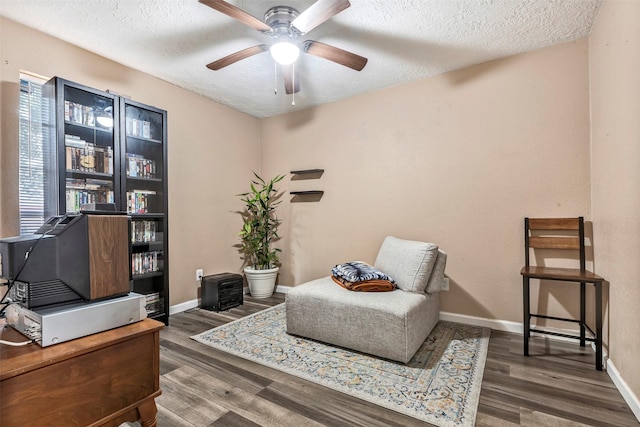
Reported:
(262, 283)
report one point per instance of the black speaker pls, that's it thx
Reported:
(221, 291)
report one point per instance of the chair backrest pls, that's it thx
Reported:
(539, 234)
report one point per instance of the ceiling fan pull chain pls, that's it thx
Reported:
(275, 77)
(293, 83)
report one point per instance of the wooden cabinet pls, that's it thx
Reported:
(99, 380)
(110, 149)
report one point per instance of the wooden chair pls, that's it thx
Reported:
(542, 233)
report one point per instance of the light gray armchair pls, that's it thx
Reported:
(391, 325)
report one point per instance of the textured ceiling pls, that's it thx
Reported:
(404, 40)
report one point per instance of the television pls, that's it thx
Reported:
(72, 257)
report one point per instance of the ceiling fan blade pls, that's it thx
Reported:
(237, 13)
(235, 57)
(318, 13)
(291, 81)
(335, 54)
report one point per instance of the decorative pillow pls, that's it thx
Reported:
(409, 262)
(358, 271)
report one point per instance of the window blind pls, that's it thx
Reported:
(37, 172)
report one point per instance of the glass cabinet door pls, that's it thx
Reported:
(87, 146)
(144, 160)
(83, 126)
(144, 196)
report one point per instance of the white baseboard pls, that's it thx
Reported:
(498, 325)
(283, 289)
(627, 394)
(508, 326)
(188, 305)
(179, 308)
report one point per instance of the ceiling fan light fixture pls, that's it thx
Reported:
(284, 53)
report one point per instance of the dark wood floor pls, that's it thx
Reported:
(201, 386)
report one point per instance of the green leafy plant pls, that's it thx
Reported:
(260, 224)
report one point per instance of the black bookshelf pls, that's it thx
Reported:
(110, 149)
(143, 133)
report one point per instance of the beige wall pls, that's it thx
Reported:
(614, 47)
(2, 135)
(458, 159)
(212, 150)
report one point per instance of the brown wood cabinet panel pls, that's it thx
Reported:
(109, 255)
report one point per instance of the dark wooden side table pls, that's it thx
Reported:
(103, 379)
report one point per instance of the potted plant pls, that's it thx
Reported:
(259, 232)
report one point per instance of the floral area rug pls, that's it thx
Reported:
(440, 385)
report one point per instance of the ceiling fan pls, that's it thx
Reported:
(285, 25)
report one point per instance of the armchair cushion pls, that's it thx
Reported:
(409, 262)
(436, 280)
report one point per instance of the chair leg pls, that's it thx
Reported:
(583, 318)
(598, 325)
(526, 314)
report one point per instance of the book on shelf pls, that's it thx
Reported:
(143, 231)
(153, 303)
(138, 201)
(78, 113)
(97, 184)
(74, 141)
(82, 191)
(139, 167)
(146, 129)
(146, 262)
(153, 296)
(89, 184)
(83, 156)
(138, 128)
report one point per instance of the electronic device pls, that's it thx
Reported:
(41, 294)
(73, 256)
(57, 324)
(221, 291)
